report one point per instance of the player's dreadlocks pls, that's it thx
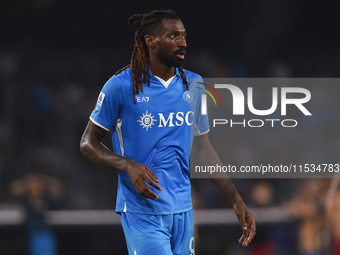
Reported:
(146, 24)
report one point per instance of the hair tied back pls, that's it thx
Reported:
(136, 20)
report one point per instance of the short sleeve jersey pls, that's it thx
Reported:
(156, 130)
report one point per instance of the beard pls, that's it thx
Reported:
(170, 60)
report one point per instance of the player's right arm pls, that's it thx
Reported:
(92, 148)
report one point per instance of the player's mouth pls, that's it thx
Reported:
(180, 54)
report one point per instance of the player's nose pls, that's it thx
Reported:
(182, 43)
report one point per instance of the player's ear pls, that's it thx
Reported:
(149, 41)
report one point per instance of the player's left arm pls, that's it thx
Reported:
(205, 154)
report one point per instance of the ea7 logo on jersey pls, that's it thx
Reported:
(142, 99)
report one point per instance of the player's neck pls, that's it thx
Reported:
(161, 70)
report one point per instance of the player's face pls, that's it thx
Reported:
(171, 43)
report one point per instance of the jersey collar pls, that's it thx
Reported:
(177, 73)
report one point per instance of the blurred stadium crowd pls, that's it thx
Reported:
(54, 59)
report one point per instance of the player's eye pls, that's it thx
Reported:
(173, 36)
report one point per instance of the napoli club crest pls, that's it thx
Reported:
(188, 96)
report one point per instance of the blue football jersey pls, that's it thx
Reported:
(157, 130)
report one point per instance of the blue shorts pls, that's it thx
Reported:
(42, 242)
(171, 234)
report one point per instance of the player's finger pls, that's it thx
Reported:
(152, 175)
(150, 181)
(150, 194)
(144, 190)
(251, 233)
(243, 222)
(243, 237)
(250, 237)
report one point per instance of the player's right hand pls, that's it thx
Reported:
(139, 174)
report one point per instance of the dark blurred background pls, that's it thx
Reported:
(55, 56)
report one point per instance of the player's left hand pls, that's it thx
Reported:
(247, 222)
